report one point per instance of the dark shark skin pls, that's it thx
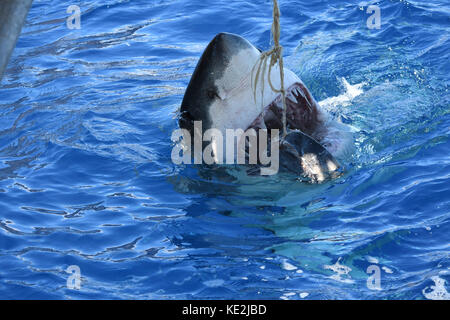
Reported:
(202, 91)
(12, 16)
(299, 143)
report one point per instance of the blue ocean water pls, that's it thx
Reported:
(86, 177)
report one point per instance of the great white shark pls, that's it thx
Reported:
(221, 95)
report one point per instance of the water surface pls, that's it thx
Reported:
(86, 177)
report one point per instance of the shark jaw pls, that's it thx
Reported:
(223, 95)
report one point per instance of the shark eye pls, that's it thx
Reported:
(212, 94)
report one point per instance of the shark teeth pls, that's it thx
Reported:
(294, 94)
(291, 97)
(297, 96)
(299, 92)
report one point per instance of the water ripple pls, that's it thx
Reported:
(86, 177)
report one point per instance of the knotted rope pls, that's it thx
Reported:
(276, 55)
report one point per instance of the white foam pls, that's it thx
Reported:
(338, 138)
(287, 266)
(344, 99)
(373, 260)
(287, 295)
(387, 270)
(214, 283)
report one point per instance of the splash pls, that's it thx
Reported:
(344, 99)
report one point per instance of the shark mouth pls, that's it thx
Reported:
(300, 151)
(301, 112)
(213, 99)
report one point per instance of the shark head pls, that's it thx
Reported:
(229, 91)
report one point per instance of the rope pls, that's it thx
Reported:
(276, 55)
